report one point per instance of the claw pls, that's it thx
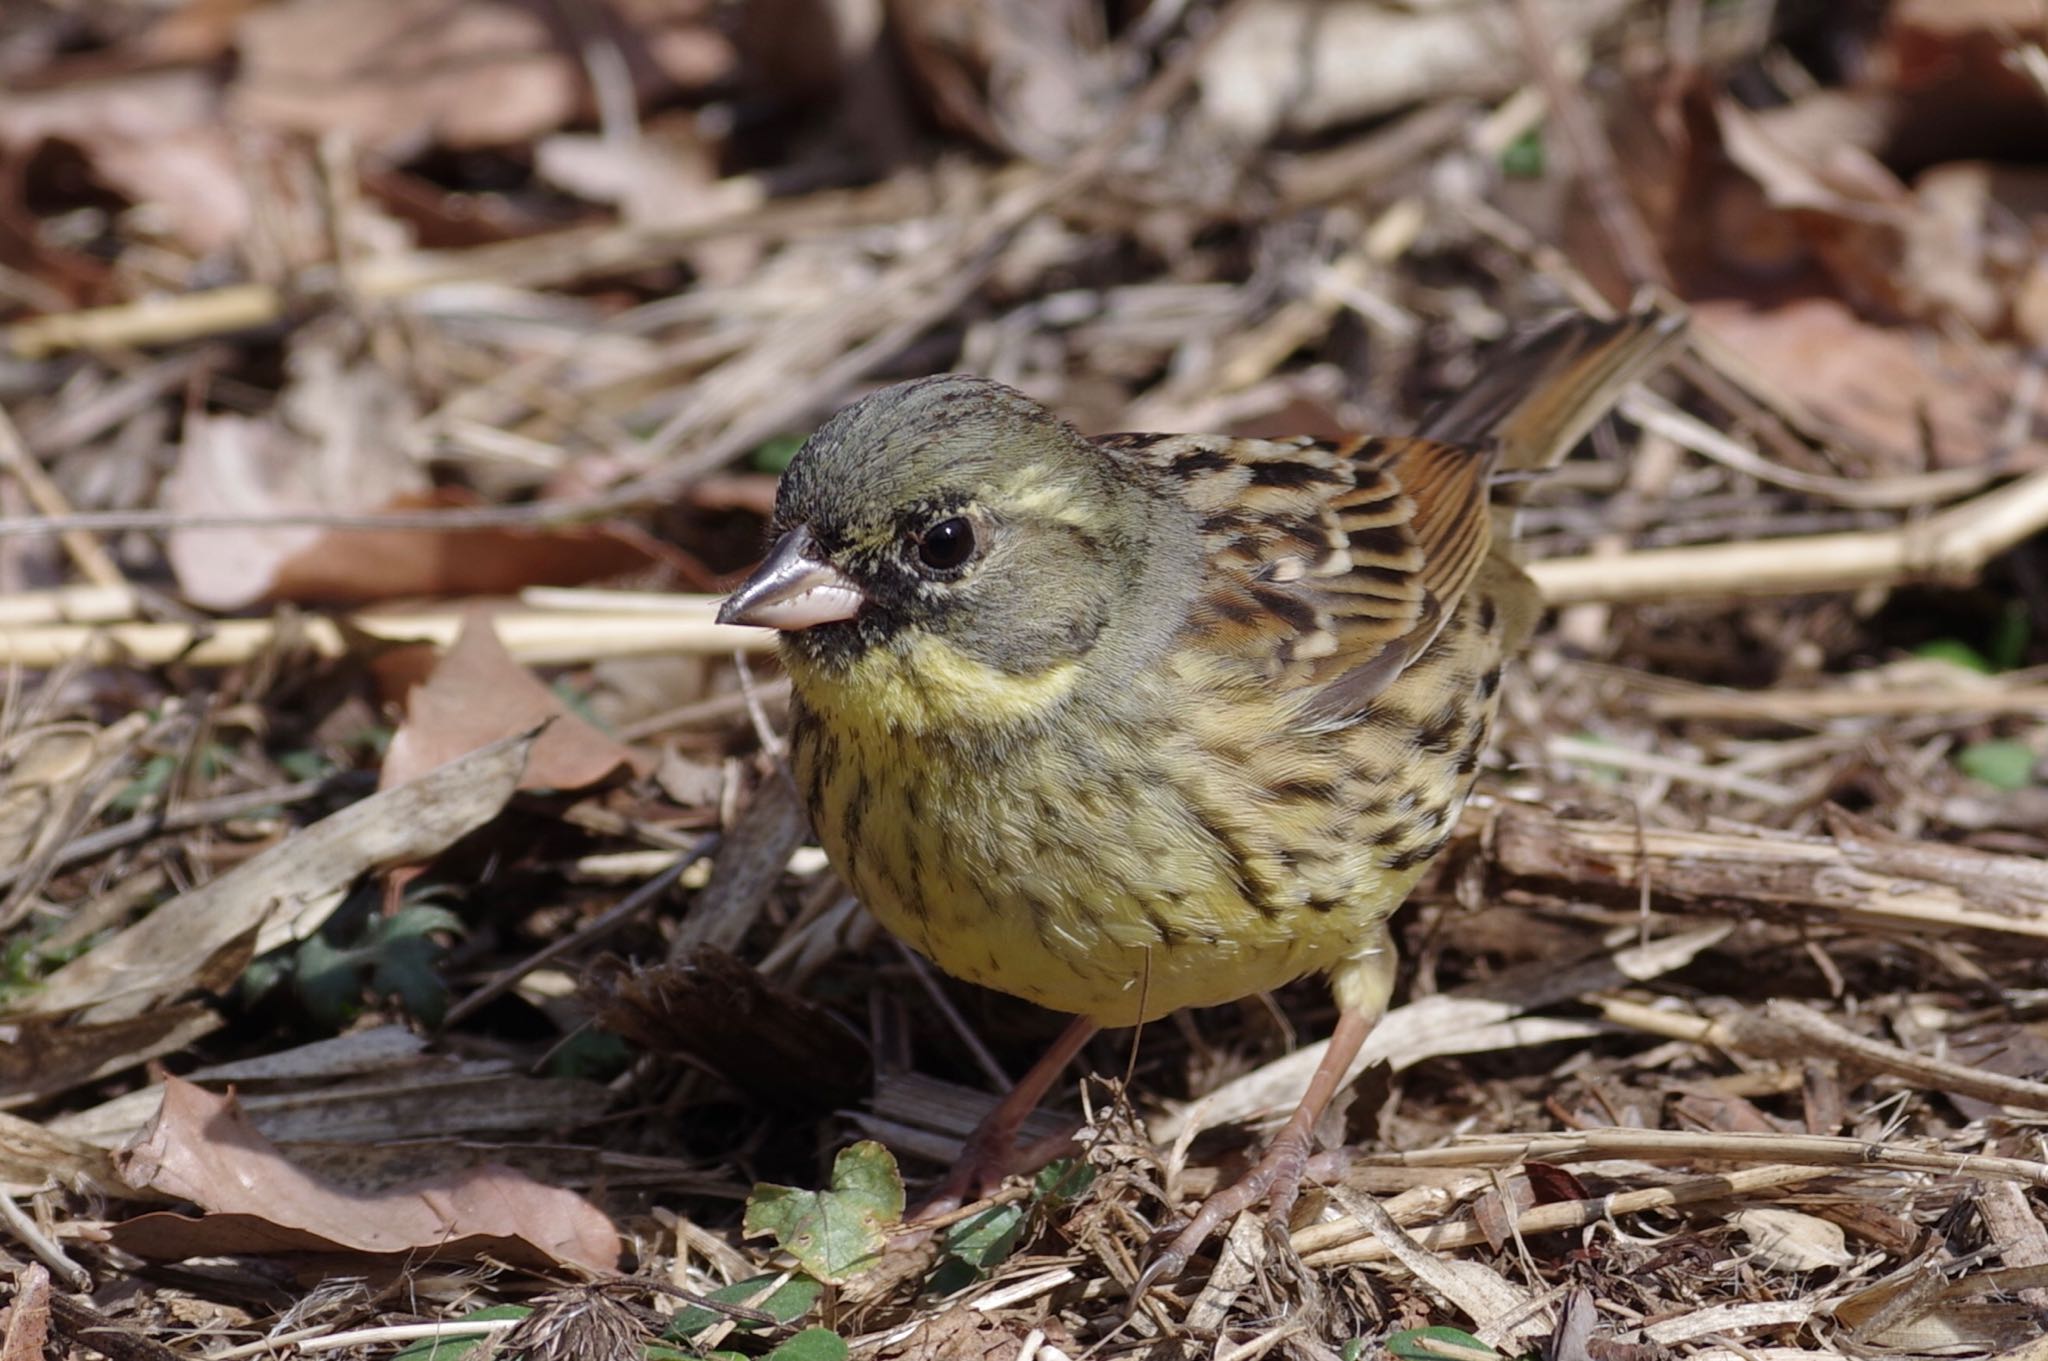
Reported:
(1276, 1177)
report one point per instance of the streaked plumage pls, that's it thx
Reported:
(1194, 713)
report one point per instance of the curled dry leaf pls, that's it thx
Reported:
(477, 694)
(201, 1148)
(1791, 1241)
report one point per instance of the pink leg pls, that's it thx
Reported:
(991, 1152)
(1276, 1177)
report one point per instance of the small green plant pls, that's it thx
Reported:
(1438, 1344)
(363, 953)
(785, 1303)
(2003, 764)
(980, 1243)
(1524, 158)
(833, 1234)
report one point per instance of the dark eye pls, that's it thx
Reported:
(946, 545)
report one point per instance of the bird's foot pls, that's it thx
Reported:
(1275, 1178)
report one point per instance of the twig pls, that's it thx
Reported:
(538, 637)
(598, 927)
(1788, 1030)
(1912, 491)
(1788, 1159)
(1663, 1145)
(1623, 225)
(91, 558)
(75, 1277)
(1910, 886)
(1948, 547)
(196, 814)
(1806, 706)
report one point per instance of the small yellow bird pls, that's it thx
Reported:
(1140, 722)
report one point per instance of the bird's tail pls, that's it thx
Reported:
(1540, 398)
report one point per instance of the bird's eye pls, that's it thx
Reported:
(946, 545)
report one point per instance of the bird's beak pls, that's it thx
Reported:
(793, 589)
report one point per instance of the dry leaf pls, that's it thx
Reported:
(1791, 1241)
(242, 466)
(400, 76)
(286, 892)
(478, 694)
(1302, 66)
(44, 1055)
(1883, 387)
(31, 1156)
(26, 1328)
(155, 136)
(201, 1148)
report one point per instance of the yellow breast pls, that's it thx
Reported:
(1102, 864)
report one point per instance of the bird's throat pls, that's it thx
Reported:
(924, 685)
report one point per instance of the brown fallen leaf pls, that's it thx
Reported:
(45, 1055)
(154, 136)
(1908, 398)
(478, 694)
(399, 76)
(26, 1327)
(201, 1148)
(239, 465)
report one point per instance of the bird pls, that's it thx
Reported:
(1135, 722)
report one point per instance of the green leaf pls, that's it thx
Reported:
(1955, 651)
(812, 1344)
(1352, 1350)
(773, 455)
(304, 763)
(789, 1302)
(1062, 1181)
(597, 1055)
(1523, 159)
(986, 1240)
(833, 1234)
(2011, 635)
(2004, 764)
(449, 1348)
(1438, 1344)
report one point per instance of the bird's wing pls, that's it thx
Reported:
(1329, 566)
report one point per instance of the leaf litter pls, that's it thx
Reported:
(1721, 1032)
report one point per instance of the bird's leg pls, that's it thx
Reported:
(991, 1152)
(1276, 1177)
(1362, 984)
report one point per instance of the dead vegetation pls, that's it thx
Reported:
(408, 941)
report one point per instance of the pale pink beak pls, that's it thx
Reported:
(792, 589)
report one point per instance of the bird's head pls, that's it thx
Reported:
(952, 552)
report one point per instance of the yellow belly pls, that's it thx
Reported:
(1118, 874)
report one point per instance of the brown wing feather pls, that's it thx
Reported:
(1333, 567)
(1327, 569)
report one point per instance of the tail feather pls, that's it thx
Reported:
(1539, 400)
